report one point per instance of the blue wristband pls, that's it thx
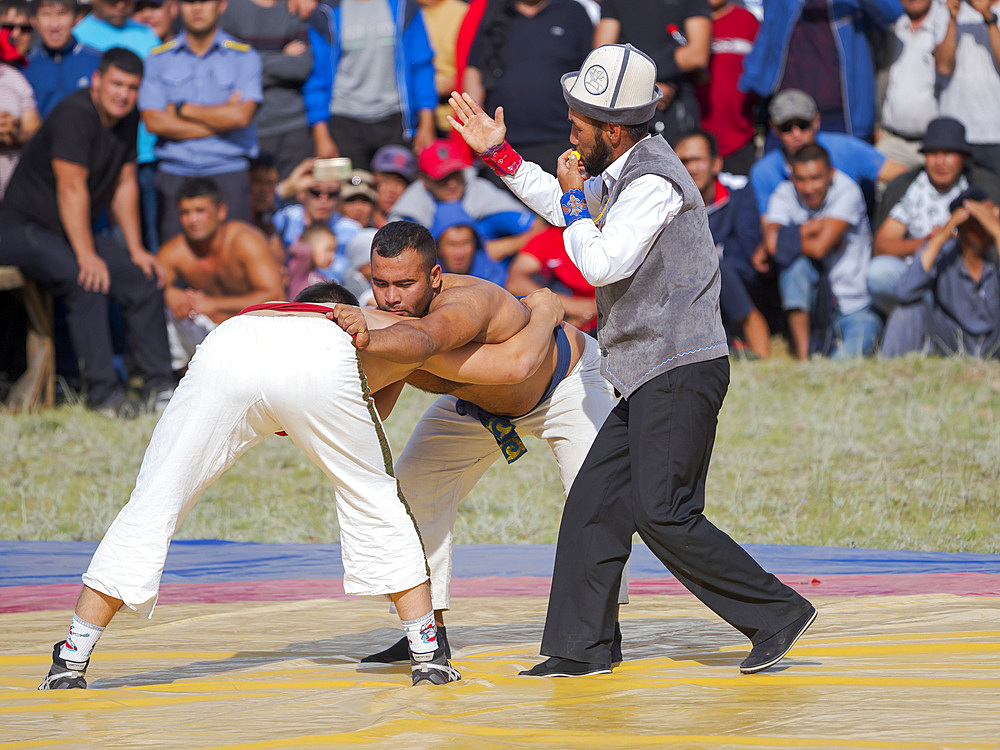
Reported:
(574, 206)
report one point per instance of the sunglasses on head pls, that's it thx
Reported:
(787, 127)
(316, 193)
(24, 28)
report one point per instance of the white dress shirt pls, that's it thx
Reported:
(611, 247)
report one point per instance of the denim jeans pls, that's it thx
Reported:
(849, 335)
(883, 273)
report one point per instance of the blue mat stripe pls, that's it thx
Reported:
(24, 563)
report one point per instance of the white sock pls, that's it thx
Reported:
(81, 640)
(421, 634)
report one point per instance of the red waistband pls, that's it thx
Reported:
(288, 307)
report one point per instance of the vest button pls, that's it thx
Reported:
(604, 352)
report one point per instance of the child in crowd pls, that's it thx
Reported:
(310, 257)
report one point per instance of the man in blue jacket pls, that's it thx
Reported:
(60, 64)
(374, 77)
(821, 47)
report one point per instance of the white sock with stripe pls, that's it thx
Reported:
(81, 640)
(421, 634)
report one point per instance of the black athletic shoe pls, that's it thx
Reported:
(400, 651)
(616, 646)
(433, 668)
(556, 667)
(64, 675)
(769, 652)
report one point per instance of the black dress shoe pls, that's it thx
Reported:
(769, 652)
(616, 646)
(556, 667)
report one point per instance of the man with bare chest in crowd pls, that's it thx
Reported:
(461, 435)
(214, 269)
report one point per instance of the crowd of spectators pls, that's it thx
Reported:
(848, 155)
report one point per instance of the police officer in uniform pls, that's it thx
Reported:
(198, 98)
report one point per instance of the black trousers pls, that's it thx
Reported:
(47, 257)
(358, 140)
(646, 473)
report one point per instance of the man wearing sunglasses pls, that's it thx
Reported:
(15, 26)
(318, 202)
(199, 97)
(795, 121)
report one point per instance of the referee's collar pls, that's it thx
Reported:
(614, 171)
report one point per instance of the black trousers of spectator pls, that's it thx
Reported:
(47, 257)
(234, 187)
(358, 140)
(289, 149)
(646, 473)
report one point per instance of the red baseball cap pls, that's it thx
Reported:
(441, 159)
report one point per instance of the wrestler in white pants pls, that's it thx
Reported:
(255, 375)
(448, 453)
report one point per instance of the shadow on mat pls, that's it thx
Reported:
(675, 638)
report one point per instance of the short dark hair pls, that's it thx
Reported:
(327, 291)
(637, 132)
(397, 236)
(199, 187)
(71, 5)
(810, 152)
(713, 144)
(263, 160)
(125, 60)
(22, 6)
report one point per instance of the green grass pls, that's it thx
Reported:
(901, 454)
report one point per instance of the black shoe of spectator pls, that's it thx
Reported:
(157, 400)
(118, 406)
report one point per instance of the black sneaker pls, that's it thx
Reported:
(556, 667)
(64, 675)
(769, 652)
(118, 406)
(433, 668)
(616, 646)
(400, 651)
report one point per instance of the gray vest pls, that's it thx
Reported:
(666, 314)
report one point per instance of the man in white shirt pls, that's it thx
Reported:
(649, 252)
(817, 231)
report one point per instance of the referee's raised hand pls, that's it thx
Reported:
(479, 130)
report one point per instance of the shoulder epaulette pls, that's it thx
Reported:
(164, 47)
(238, 46)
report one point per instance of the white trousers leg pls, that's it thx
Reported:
(448, 453)
(253, 376)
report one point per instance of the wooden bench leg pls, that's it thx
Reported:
(35, 389)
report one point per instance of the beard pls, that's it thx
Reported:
(599, 157)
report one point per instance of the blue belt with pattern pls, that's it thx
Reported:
(502, 429)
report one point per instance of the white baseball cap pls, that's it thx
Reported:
(616, 83)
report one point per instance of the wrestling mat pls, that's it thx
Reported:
(255, 646)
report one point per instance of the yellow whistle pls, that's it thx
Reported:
(576, 155)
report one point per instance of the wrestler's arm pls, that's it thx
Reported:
(511, 361)
(385, 398)
(464, 317)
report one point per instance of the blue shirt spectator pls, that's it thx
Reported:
(61, 64)
(460, 246)
(796, 121)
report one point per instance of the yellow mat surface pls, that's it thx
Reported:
(872, 672)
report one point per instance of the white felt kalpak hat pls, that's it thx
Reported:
(616, 83)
